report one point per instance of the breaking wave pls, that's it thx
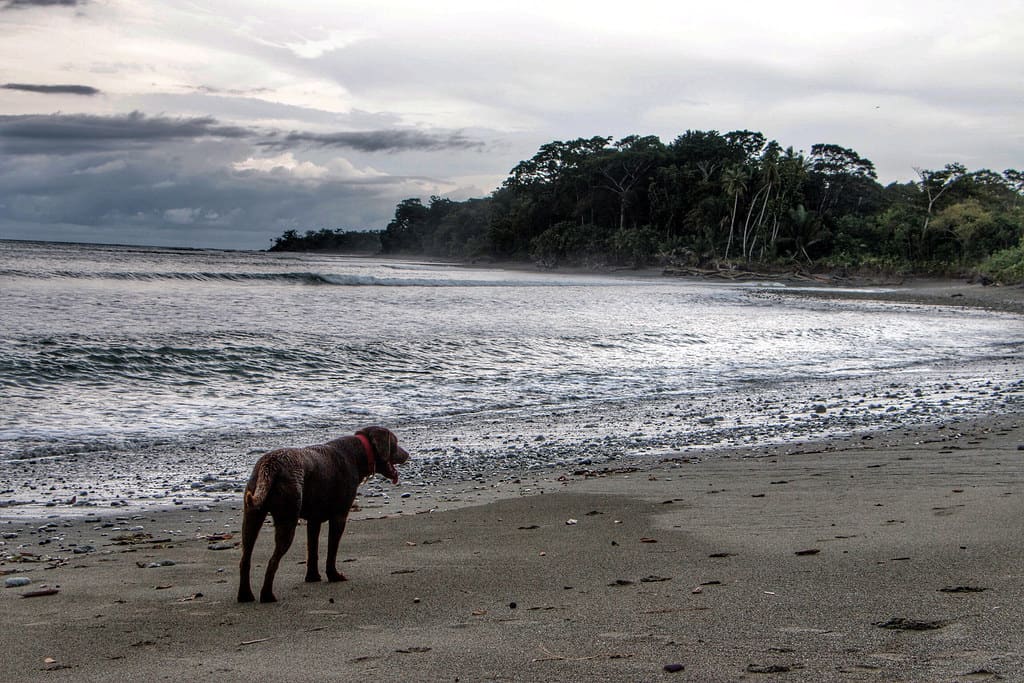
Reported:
(294, 278)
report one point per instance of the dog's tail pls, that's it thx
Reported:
(264, 478)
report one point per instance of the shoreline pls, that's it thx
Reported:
(953, 293)
(213, 468)
(925, 290)
(784, 560)
(497, 447)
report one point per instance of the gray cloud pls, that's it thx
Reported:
(51, 133)
(379, 141)
(181, 191)
(167, 198)
(52, 89)
(25, 4)
(260, 105)
(234, 92)
(44, 133)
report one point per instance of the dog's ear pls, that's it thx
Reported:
(383, 441)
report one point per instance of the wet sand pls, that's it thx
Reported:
(956, 293)
(886, 556)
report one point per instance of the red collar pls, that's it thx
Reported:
(371, 462)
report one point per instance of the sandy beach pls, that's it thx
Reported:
(885, 555)
(891, 556)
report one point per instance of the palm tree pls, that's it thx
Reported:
(806, 230)
(734, 182)
(770, 176)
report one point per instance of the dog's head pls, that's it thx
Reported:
(386, 451)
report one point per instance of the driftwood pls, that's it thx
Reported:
(745, 275)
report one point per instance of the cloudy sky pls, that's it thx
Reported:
(222, 124)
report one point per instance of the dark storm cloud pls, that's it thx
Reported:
(61, 133)
(379, 141)
(52, 89)
(173, 195)
(188, 180)
(25, 4)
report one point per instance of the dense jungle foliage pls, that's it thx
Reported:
(714, 200)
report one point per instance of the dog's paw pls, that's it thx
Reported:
(267, 597)
(246, 597)
(334, 577)
(312, 578)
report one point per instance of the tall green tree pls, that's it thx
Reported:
(405, 231)
(934, 184)
(626, 170)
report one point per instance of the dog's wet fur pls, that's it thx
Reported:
(314, 483)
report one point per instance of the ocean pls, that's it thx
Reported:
(119, 364)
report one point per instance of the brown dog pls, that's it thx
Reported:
(317, 484)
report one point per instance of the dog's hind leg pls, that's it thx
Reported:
(312, 551)
(335, 528)
(252, 522)
(284, 534)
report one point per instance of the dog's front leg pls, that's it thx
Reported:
(335, 528)
(312, 550)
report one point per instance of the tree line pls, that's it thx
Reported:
(708, 199)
